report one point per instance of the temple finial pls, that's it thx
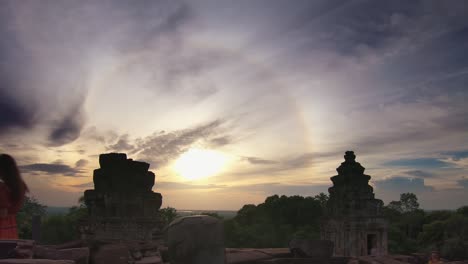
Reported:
(349, 156)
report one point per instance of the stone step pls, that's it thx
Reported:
(35, 261)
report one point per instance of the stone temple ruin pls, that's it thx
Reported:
(122, 204)
(354, 221)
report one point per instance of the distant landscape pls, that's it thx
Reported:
(279, 219)
(225, 214)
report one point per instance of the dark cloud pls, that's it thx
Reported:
(183, 186)
(456, 155)
(14, 114)
(305, 160)
(402, 184)
(81, 163)
(260, 161)
(302, 161)
(51, 169)
(122, 145)
(67, 130)
(83, 185)
(41, 73)
(419, 163)
(420, 173)
(162, 147)
(221, 141)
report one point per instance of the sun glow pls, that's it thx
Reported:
(199, 163)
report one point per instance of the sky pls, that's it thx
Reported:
(274, 90)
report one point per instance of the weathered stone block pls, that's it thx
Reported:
(35, 261)
(7, 248)
(79, 255)
(305, 248)
(245, 255)
(196, 240)
(111, 253)
(150, 260)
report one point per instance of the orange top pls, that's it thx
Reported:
(8, 229)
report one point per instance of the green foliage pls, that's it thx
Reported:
(168, 214)
(463, 210)
(31, 207)
(55, 229)
(409, 202)
(280, 218)
(276, 221)
(413, 230)
(58, 229)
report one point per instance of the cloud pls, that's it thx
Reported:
(420, 173)
(419, 163)
(402, 184)
(81, 163)
(122, 145)
(67, 130)
(42, 75)
(221, 141)
(14, 114)
(259, 161)
(162, 147)
(51, 169)
(304, 160)
(183, 186)
(456, 155)
(82, 185)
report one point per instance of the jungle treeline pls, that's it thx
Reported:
(279, 219)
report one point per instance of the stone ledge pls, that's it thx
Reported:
(35, 261)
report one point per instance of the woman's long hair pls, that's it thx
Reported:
(10, 174)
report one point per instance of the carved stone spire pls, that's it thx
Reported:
(351, 193)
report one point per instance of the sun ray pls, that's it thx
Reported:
(199, 163)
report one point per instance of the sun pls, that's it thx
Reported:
(199, 163)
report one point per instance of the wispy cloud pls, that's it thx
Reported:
(81, 163)
(259, 161)
(122, 145)
(52, 169)
(162, 147)
(419, 163)
(181, 186)
(420, 173)
(82, 185)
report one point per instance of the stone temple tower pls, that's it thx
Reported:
(354, 220)
(122, 205)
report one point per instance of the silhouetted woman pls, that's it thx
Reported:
(12, 192)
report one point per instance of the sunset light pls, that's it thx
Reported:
(199, 163)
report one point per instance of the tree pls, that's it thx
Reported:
(322, 198)
(463, 210)
(168, 214)
(406, 223)
(57, 229)
(409, 202)
(31, 207)
(276, 221)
